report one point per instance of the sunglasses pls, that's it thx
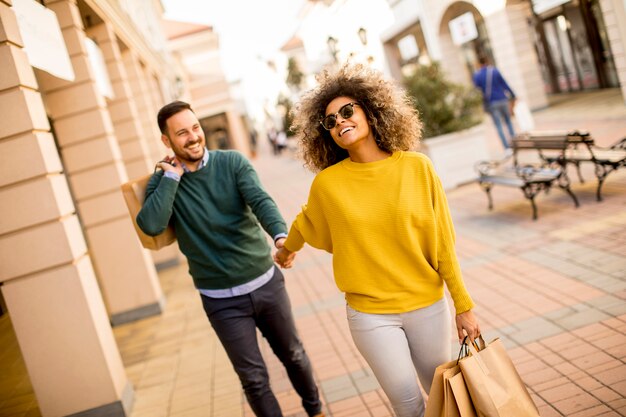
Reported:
(346, 111)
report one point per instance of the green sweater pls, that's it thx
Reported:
(214, 211)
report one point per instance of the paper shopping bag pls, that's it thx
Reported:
(494, 385)
(448, 394)
(457, 401)
(134, 194)
(524, 117)
(435, 406)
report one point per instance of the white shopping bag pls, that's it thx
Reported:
(524, 117)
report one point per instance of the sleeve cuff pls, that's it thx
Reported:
(172, 175)
(278, 236)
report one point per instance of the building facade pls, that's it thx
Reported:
(82, 81)
(543, 47)
(195, 48)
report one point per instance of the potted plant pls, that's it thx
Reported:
(453, 133)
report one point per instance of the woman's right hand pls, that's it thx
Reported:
(284, 257)
(466, 323)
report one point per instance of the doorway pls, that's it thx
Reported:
(573, 50)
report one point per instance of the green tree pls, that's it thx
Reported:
(287, 105)
(444, 106)
(295, 77)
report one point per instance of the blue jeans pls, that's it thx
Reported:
(235, 321)
(499, 110)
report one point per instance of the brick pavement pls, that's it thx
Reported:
(553, 290)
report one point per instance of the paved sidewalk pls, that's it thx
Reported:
(553, 290)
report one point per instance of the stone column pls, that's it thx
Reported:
(137, 154)
(93, 163)
(239, 139)
(515, 55)
(122, 107)
(614, 15)
(147, 112)
(49, 284)
(156, 90)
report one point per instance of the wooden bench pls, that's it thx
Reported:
(581, 148)
(528, 169)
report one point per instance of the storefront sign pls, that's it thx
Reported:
(43, 42)
(463, 28)
(540, 6)
(408, 47)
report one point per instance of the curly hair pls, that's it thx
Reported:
(389, 110)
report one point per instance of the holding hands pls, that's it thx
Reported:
(284, 257)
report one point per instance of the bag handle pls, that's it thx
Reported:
(479, 343)
(464, 351)
(474, 349)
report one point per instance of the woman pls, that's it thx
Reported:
(381, 211)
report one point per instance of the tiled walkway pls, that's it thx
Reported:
(553, 289)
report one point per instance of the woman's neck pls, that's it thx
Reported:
(369, 152)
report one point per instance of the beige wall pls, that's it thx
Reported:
(122, 107)
(93, 163)
(515, 54)
(511, 41)
(207, 87)
(48, 278)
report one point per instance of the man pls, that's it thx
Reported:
(496, 96)
(215, 202)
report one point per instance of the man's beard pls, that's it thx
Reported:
(183, 154)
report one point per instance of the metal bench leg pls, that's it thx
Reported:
(580, 176)
(487, 187)
(530, 191)
(564, 184)
(532, 203)
(601, 173)
(571, 194)
(599, 189)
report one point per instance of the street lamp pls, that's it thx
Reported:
(332, 46)
(363, 35)
(179, 87)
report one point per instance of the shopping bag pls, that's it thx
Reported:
(495, 387)
(457, 400)
(524, 117)
(435, 404)
(134, 194)
(448, 394)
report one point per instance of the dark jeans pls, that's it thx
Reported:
(235, 321)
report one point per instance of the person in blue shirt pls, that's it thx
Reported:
(496, 96)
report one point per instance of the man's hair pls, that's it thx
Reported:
(483, 60)
(168, 111)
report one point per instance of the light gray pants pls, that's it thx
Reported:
(397, 345)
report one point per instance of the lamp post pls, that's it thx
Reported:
(363, 36)
(332, 46)
(179, 87)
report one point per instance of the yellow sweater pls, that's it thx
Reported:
(389, 229)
